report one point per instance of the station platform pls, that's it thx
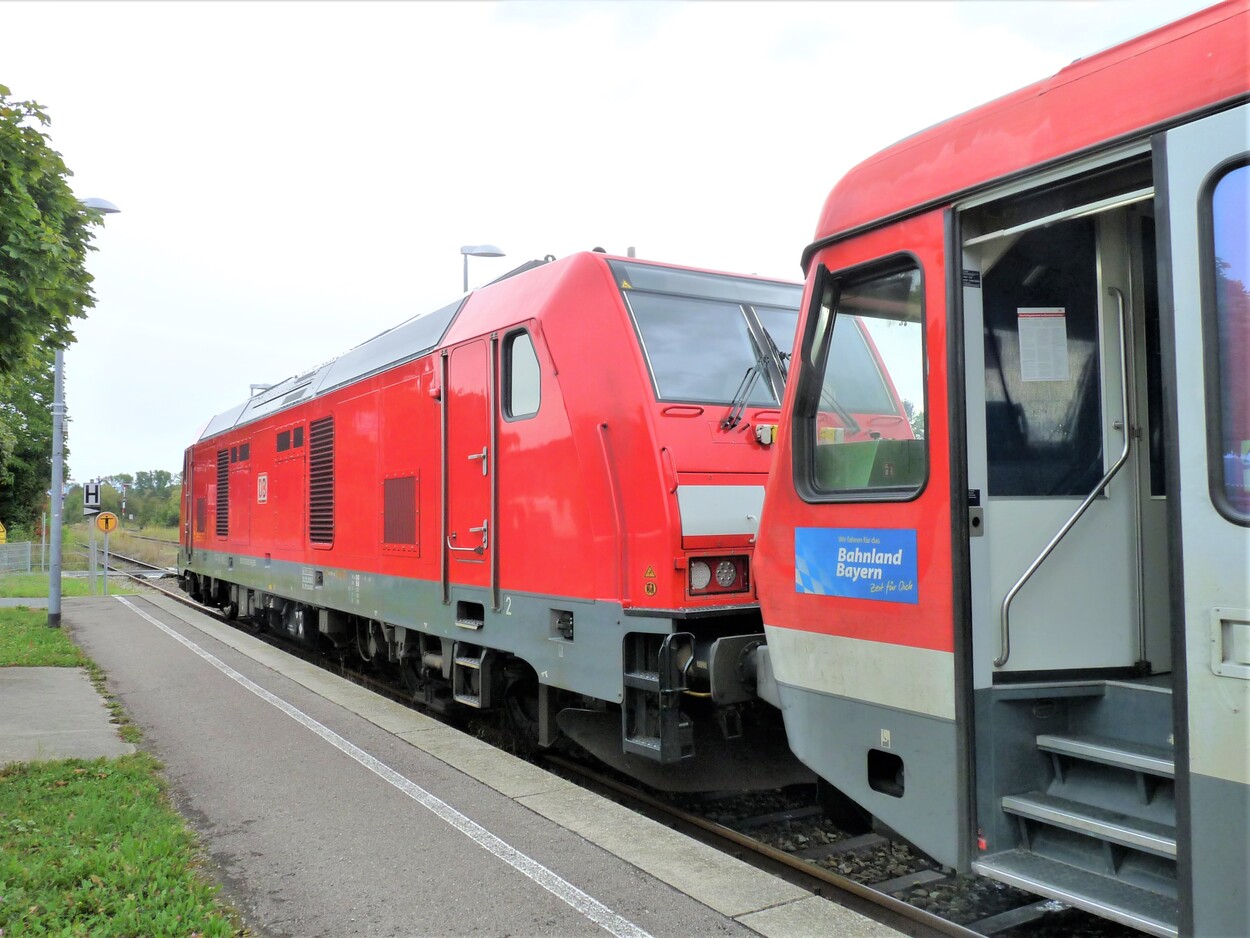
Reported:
(329, 810)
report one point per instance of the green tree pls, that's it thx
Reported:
(45, 234)
(152, 496)
(25, 441)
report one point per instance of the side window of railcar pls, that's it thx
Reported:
(861, 410)
(522, 380)
(1229, 389)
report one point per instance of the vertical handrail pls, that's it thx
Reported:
(1004, 616)
(444, 574)
(492, 415)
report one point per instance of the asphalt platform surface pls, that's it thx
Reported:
(329, 811)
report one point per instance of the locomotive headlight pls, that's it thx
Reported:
(700, 575)
(726, 574)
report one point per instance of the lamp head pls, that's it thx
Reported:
(481, 250)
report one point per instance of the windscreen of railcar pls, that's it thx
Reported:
(701, 332)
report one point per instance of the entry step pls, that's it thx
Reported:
(1102, 895)
(1137, 757)
(1111, 826)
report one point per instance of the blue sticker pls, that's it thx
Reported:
(860, 563)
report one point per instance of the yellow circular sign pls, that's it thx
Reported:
(106, 521)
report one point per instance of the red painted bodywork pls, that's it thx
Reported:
(928, 623)
(587, 504)
(1091, 103)
(895, 202)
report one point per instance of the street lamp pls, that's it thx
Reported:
(58, 457)
(477, 250)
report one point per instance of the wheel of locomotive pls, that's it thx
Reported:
(370, 641)
(520, 707)
(410, 675)
(193, 587)
(840, 809)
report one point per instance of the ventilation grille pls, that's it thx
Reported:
(399, 510)
(321, 481)
(223, 493)
(201, 515)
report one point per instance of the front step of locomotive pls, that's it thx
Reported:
(1099, 830)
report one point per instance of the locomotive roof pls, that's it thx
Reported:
(1195, 63)
(403, 343)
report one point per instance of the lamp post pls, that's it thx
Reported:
(477, 250)
(58, 458)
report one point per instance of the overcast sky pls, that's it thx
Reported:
(295, 177)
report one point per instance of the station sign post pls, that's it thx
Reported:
(91, 508)
(106, 521)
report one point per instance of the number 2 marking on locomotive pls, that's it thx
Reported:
(507, 605)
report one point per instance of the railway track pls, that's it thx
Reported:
(131, 566)
(791, 839)
(155, 540)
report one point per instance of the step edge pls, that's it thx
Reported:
(1131, 918)
(1074, 820)
(1122, 756)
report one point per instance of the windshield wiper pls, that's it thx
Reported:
(742, 395)
(778, 356)
(848, 420)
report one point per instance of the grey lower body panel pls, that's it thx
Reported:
(853, 745)
(526, 625)
(1220, 856)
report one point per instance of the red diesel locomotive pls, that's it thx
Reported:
(542, 498)
(1021, 636)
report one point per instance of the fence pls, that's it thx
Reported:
(15, 558)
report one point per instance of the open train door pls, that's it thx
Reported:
(1068, 555)
(1204, 218)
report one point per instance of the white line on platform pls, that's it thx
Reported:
(591, 908)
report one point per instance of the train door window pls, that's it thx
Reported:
(522, 378)
(1228, 325)
(297, 437)
(1043, 398)
(861, 409)
(284, 441)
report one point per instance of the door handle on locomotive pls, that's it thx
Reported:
(484, 530)
(481, 456)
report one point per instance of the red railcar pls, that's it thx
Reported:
(1021, 638)
(542, 497)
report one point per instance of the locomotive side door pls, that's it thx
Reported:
(468, 465)
(1057, 306)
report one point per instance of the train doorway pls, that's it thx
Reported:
(1069, 554)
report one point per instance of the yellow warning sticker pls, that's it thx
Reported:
(626, 285)
(650, 574)
(650, 589)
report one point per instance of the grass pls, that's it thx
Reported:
(27, 642)
(92, 847)
(35, 585)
